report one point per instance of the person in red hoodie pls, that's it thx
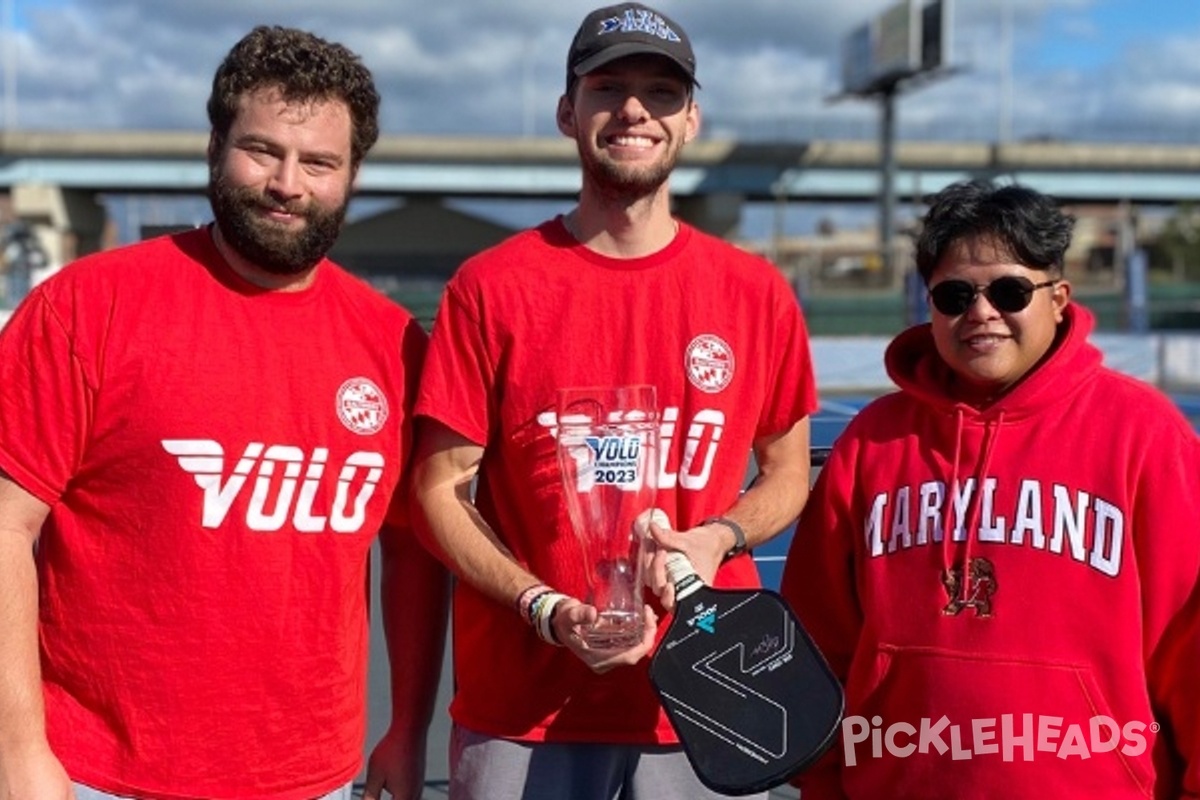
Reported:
(1000, 559)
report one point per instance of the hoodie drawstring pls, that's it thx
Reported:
(951, 494)
(991, 433)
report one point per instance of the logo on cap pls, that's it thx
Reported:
(642, 20)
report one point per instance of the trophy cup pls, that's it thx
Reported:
(608, 458)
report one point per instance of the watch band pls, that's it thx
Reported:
(739, 535)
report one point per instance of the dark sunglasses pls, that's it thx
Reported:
(1010, 294)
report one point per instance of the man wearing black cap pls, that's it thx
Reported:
(615, 292)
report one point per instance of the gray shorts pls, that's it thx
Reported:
(487, 768)
(87, 793)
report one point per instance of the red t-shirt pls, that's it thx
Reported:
(218, 459)
(721, 336)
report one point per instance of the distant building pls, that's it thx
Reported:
(419, 240)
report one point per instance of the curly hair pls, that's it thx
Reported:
(1027, 224)
(303, 67)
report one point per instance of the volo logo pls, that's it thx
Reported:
(692, 468)
(615, 461)
(615, 451)
(297, 487)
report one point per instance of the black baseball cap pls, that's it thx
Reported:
(624, 30)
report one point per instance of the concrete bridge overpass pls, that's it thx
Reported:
(55, 176)
(457, 166)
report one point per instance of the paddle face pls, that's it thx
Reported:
(750, 696)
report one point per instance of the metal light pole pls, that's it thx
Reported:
(887, 172)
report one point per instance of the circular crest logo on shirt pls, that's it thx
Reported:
(361, 406)
(709, 363)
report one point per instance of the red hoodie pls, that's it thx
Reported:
(1032, 633)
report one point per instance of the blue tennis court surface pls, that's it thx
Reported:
(1189, 404)
(829, 421)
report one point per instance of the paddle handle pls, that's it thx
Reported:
(683, 575)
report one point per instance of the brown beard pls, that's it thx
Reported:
(268, 246)
(621, 183)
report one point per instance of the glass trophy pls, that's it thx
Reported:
(608, 458)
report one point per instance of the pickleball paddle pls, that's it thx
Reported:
(748, 693)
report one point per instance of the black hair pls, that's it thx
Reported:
(1027, 224)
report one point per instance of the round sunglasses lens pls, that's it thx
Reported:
(952, 297)
(1010, 294)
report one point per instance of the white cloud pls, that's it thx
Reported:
(467, 67)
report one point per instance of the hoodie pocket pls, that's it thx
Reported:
(1039, 728)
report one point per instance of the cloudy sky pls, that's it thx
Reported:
(1076, 69)
(1079, 68)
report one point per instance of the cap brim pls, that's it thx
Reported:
(626, 49)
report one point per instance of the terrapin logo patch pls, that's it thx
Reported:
(975, 592)
(361, 406)
(709, 363)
